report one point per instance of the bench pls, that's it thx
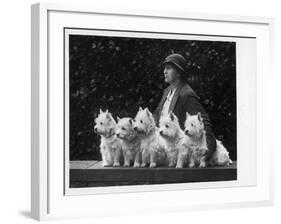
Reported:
(93, 174)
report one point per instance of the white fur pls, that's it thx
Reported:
(130, 142)
(194, 128)
(152, 145)
(220, 156)
(110, 146)
(178, 150)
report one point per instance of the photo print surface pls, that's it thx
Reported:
(150, 110)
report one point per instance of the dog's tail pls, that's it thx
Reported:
(222, 155)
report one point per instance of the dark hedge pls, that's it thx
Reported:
(122, 74)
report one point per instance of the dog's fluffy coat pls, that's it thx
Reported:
(194, 128)
(152, 145)
(130, 141)
(110, 146)
(220, 156)
(177, 150)
(139, 142)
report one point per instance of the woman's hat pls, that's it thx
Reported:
(176, 59)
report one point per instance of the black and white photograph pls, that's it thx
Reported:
(150, 110)
(138, 112)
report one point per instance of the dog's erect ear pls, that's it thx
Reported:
(101, 111)
(199, 117)
(147, 112)
(140, 108)
(187, 115)
(172, 117)
(131, 121)
(118, 119)
(108, 116)
(106, 111)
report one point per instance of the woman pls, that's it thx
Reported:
(180, 98)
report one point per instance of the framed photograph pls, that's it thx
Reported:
(122, 72)
(138, 108)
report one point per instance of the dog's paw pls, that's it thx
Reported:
(116, 164)
(136, 165)
(152, 165)
(171, 165)
(143, 165)
(202, 164)
(126, 164)
(191, 165)
(179, 166)
(106, 165)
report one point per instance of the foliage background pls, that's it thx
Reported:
(121, 74)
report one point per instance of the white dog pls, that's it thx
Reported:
(130, 141)
(110, 146)
(178, 150)
(220, 156)
(152, 145)
(194, 128)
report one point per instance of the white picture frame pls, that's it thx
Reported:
(49, 197)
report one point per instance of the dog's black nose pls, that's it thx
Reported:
(161, 132)
(135, 128)
(186, 132)
(95, 129)
(117, 135)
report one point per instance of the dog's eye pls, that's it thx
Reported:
(140, 121)
(101, 123)
(167, 126)
(192, 125)
(123, 128)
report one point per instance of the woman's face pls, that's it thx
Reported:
(170, 74)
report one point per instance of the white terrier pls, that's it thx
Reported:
(110, 146)
(194, 128)
(178, 150)
(130, 142)
(152, 145)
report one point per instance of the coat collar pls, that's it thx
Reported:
(166, 92)
(175, 97)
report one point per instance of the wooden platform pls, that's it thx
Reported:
(91, 173)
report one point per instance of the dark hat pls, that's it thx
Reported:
(176, 59)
